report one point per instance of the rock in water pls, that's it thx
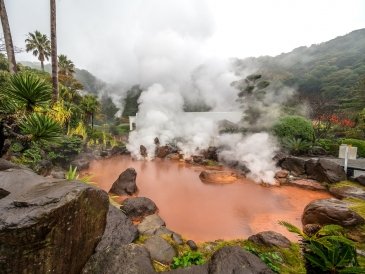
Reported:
(324, 170)
(126, 183)
(235, 260)
(53, 227)
(143, 151)
(330, 211)
(138, 207)
(270, 238)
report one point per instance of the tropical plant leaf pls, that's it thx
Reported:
(41, 128)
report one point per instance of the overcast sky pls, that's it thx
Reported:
(117, 39)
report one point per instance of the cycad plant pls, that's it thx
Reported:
(40, 128)
(27, 91)
(296, 145)
(327, 250)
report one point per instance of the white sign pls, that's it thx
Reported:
(351, 152)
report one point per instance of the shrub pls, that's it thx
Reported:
(327, 250)
(360, 144)
(294, 127)
(65, 151)
(187, 259)
(330, 145)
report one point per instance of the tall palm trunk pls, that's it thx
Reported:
(54, 51)
(7, 37)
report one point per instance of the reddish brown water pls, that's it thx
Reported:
(206, 212)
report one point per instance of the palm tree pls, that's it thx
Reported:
(65, 66)
(54, 50)
(90, 105)
(40, 46)
(7, 37)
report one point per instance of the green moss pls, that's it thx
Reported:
(347, 183)
(356, 205)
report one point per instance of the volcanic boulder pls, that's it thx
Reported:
(270, 239)
(138, 207)
(342, 192)
(56, 224)
(235, 260)
(126, 183)
(295, 165)
(150, 225)
(210, 153)
(120, 259)
(162, 151)
(119, 230)
(361, 180)
(218, 177)
(324, 170)
(143, 151)
(330, 211)
(160, 249)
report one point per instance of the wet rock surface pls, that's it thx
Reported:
(295, 165)
(150, 225)
(119, 229)
(270, 238)
(218, 177)
(160, 250)
(49, 219)
(307, 184)
(330, 211)
(120, 259)
(324, 170)
(138, 207)
(234, 260)
(361, 180)
(348, 192)
(126, 183)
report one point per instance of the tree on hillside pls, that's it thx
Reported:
(7, 36)
(108, 108)
(54, 50)
(65, 65)
(39, 45)
(90, 105)
(130, 103)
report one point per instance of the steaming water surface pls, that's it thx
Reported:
(205, 212)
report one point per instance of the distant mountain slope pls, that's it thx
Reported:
(330, 69)
(90, 82)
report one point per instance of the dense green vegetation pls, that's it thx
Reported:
(333, 71)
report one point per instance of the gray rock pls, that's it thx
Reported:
(348, 192)
(123, 259)
(195, 269)
(4, 165)
(49, 220)
(330, 211)
(360, 179)
(177, 238)
(143, 151)
(294, 164)
(118, 150)
(160, 249)
(3, 193)
(174, 236)
(82, 161)
(138, 207)
(150, 224)
(126, 183)
(119, 229)
(270, 238)
(192, 245)
(44, 167)
(58, 174)
(324, 170)
(234, 260)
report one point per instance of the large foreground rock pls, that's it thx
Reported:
(330, 211)
(120, 259)
(234, 260)
(138, 207)
(160, 249)
(195, 269)
(126, 183)
(324, 170)
(52, 227)
(119, 229)
(295, 165)
(4, 165)
(270, 238)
